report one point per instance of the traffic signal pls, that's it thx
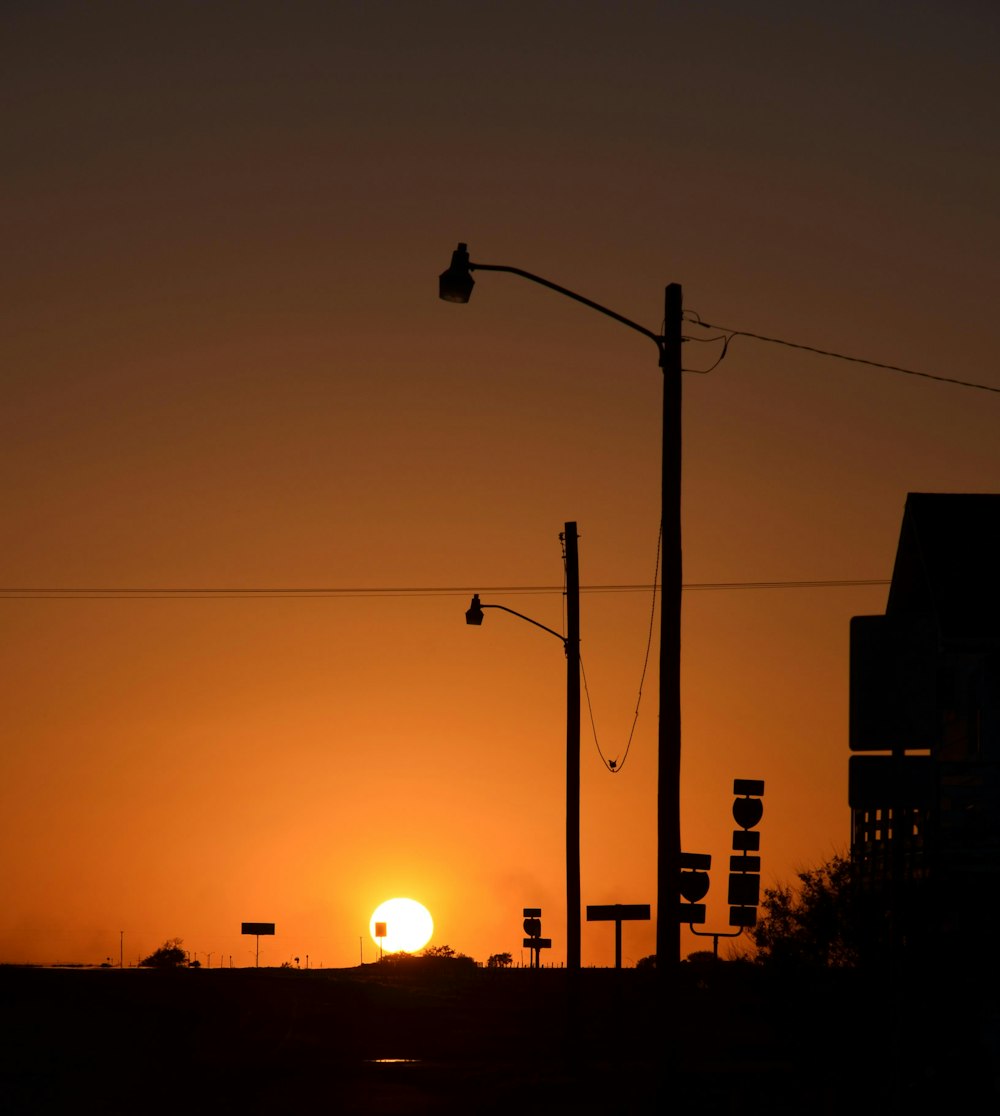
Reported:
(744, 869)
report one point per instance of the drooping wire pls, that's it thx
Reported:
(692, 316)
(616, 765)
(611, 765)
(724, 338)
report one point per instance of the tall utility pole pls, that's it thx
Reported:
(455, 285)
(668, 809)
(572, 747)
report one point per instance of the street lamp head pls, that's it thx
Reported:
(455, 284)
(474, 613)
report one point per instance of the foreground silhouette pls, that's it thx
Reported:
(924, 782)
(443, 1038)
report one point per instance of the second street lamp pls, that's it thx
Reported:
(571, 645)
(455, 285)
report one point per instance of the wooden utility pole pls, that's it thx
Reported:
(570, 538)
(455, 285)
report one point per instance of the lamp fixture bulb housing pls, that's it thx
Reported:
(474, 613)
(456, 283)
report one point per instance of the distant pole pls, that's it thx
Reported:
(668, 928)
(570, 538)
(121, 949)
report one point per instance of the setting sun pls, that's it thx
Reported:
(408, 925)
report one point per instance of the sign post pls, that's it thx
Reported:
(257, 928)
(534, 941)
(618, 913)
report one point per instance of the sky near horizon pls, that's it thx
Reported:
(225, 368)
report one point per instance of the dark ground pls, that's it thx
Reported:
(727, 1039)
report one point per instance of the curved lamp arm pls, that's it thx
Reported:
(474, 615)
(455, 285)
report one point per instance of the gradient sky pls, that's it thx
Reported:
(225, 367)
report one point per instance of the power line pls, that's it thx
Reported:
(114, 593)
(729, 334)
(615, 765)
(845, 583)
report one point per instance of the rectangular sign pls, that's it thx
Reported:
(696, 862)
(893, 684)
(618, 912)
(752, 787)
(257, 928)
(693, 913)
(744, 863)
(744, 890)
(890, 781)
(742, 916)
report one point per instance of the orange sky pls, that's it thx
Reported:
(225, 368)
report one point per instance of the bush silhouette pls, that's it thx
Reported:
(170, 955)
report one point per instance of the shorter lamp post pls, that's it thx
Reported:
(571, 645)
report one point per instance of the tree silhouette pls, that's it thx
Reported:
(701, 957)
(499, 961)
(824, 922)
(170, 955)
(439, 951)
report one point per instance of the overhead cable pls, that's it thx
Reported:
(115, 593)
(731, 333)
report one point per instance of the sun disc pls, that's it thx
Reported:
(408, 925)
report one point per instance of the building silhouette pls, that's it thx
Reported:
(924, 782)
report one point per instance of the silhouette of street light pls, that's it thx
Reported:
(474, 616)
(571, 646)
(455, 285)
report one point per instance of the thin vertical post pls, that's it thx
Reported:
(572, 747)
(668, 930)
